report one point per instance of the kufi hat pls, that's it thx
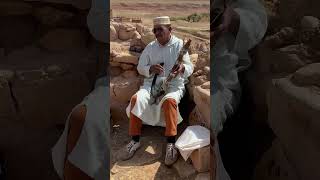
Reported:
(162, 20)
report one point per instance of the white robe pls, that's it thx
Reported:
(154, 53)
(229, 56)
(91, 151)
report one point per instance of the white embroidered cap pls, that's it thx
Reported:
(161, 20)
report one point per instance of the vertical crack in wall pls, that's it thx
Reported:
(14, 99)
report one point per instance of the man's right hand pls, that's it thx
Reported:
(157, 69)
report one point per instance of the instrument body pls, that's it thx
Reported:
(158, 90)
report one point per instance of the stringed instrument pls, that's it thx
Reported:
(159, 90)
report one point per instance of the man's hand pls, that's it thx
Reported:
(178, 69)
(157, 69)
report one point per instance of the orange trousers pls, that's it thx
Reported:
(77, 119)
(169, 108)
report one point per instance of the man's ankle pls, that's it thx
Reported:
(171, 139)
(136, 138)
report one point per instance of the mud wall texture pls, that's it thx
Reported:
(48, 63)
(284, 82)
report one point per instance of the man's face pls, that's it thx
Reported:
(162, 33)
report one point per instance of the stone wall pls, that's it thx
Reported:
(284, 82)
(48, 64)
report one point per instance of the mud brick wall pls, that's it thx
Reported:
(48, 63)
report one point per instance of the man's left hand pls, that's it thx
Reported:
(178, 69)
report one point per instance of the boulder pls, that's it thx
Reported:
(129, 74)
(140, 28)
(126, 57)
(125, 66)
(309, 23)
(51, 16)
(147, 38)
(64, 40)
(17, 31)
(307, 76)
(113, 33)
(46, 102)
(201, 159)
(294, 118)
(202, 100)
(122, 89)
(115, 71)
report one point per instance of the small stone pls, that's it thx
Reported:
(194, 58)
(140, 28)
(206, 70)
(203, 176)
(136, 35)
(183, 168)
(203, 48)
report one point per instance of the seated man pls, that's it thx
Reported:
(243, 25)
(165, 49)
(81, 152)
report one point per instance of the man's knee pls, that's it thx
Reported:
(78, 116)
(76, 122)
(170, 102)
(133, 100)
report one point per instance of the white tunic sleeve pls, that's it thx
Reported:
(144, 62)
(253, 25)
(187, 65)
